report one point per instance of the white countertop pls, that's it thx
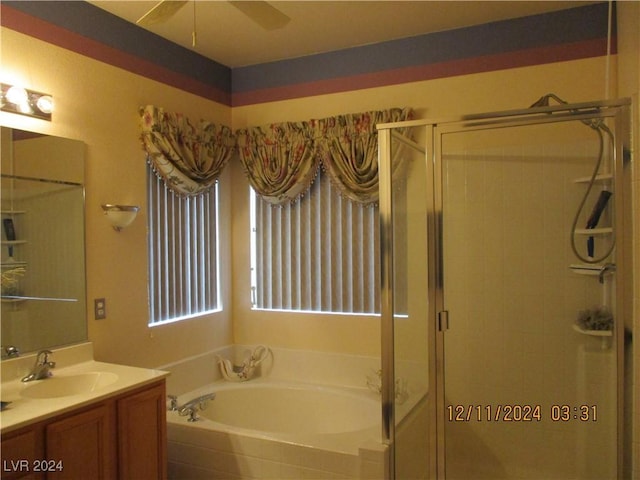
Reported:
(23, 411)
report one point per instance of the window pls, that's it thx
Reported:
(318, 254)
(183, 252)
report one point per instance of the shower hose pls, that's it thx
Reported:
(599, 127)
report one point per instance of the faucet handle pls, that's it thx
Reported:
(45, 354)
(191, 410)
(11, 351)
(173, 399)
(43, 358)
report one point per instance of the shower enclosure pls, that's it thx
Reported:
(506, 302)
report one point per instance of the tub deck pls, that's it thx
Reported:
(211, 449)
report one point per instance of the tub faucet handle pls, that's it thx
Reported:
(191, 410)
(173, 402)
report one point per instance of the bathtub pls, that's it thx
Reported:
(278, 429)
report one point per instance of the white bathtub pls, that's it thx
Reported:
(271, 429)
(277, 407)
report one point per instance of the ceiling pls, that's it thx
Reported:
(226, 35)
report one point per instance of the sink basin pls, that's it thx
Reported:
(67, 385)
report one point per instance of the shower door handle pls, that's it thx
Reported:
(443, 320)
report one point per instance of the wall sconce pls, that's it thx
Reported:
(120, 216)
(26, 102)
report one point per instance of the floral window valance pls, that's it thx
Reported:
(189, 159)
(281, 160)
(348, 151)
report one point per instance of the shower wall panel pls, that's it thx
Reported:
(508, 204)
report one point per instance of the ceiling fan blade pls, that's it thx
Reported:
(163, 11)
(268, 17)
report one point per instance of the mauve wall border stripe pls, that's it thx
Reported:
(401, 61)
(50, 33)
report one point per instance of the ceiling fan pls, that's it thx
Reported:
(265, 15)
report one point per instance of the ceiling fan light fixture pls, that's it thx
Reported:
(161, 12)
(261, 12)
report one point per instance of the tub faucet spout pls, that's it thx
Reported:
(192, 407)
(41, 369)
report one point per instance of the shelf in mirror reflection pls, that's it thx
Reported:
(13, 264)
(43, 299)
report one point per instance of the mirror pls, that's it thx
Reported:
(43, 256)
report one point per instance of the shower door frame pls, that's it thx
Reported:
(617, 110)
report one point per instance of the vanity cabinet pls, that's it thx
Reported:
(21, 450)
(82, 445)
(123, 437)
(142, 428)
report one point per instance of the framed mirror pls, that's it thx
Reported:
(43, 255)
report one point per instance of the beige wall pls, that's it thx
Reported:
(575, 81)
(97, 103)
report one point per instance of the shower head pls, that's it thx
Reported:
(541, 102)
(544, 100)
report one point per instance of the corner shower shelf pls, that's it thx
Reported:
(603, 335)
(605, 177)
(13, 212)
(588, 269)
(594, 231)
(593, 333)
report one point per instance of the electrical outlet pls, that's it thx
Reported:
(100, 308)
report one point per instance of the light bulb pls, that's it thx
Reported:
(45, 104)
(17, 95)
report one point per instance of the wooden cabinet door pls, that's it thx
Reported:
(142, 431)
(84, 443)
(21, 453)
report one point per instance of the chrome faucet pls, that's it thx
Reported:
(41, 368)
(192, 407)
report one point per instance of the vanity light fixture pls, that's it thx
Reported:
(120, 216)
(26, 102)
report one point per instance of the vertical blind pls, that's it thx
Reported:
(319, 253)
(183, 252)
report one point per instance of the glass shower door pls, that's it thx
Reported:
(530, 359)
(405, 302)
